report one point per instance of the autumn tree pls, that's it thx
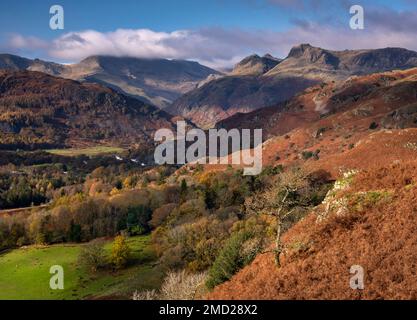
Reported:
(281, 198)
(120, 252)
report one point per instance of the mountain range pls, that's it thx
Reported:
(244, 91)
(288, 92)
(206, 96)
(155, 81)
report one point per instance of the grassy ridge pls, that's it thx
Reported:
(24, 273)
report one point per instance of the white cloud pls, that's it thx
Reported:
(122, 42)
(215, 47)
(17, 41)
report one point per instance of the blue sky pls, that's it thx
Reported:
(215, 32)
(159, 15)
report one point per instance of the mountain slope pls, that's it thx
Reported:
(15, 63)
(305, 66)
(371, 222)
(385, 98)
(38, 110)
(155, 81)
(222, 98)
(364, 126)
(333, 127)
(12, 62)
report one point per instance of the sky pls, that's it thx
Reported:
(217, 33)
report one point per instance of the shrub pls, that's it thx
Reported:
(183, 189)
(310, 154)
(92, 256)
(271, 171)
(176, 286)
(373, 126)
(181, 285)
(307, 155)
(146, 295)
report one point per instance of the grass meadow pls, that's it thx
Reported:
(24, 273)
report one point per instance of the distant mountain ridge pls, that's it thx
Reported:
(205, 96)
(304, 67)
(17, 63)
(255, 65)
(325, 64)
(155, 81)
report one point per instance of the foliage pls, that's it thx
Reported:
(120, 252)
(160, 214)
(138, 219)
(229, 260)
(92, 256)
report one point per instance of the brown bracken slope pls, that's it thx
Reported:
(378, 233)
(368, 126)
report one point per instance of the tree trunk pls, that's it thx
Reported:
(278, 246)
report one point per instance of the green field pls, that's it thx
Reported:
(24, 273)
(93, 151)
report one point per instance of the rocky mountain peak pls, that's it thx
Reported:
(255, 65)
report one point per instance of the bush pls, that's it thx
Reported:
(92, 256)
(307, 155)
(373, 126)
(310, 154)
(176, 286)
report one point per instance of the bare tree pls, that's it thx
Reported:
(280, 199)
